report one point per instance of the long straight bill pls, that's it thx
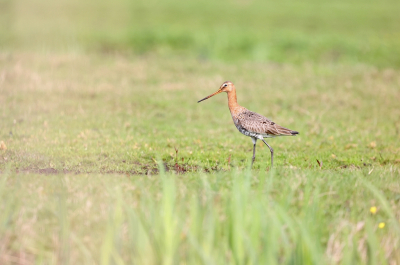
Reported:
(219, 91)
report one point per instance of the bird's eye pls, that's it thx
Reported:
(225, 85)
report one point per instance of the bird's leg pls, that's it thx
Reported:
(254, 155)
(254, 150)
(272, 153)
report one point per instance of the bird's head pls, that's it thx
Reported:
(227, 86)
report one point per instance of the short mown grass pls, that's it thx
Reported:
(80, 113)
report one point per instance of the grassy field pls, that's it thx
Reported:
(107, 158)
(234, 217)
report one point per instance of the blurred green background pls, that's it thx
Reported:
(274, 31)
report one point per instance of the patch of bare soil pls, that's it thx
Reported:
(44, 171)
(141, 169)
(178, 168)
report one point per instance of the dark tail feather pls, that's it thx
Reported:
(284, 131)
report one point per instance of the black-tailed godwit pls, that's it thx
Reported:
(250, 123)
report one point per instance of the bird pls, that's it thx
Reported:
(250, 123)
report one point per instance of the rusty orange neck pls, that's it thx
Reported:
(234, 107)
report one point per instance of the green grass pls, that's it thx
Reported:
(284, 31)
(90, 115)
(354, 31)
(121, 113)
(107, 158)
(281, 217)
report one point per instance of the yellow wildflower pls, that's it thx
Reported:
(381, 225)
(373, 209)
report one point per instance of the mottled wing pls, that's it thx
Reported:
(256, 123)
